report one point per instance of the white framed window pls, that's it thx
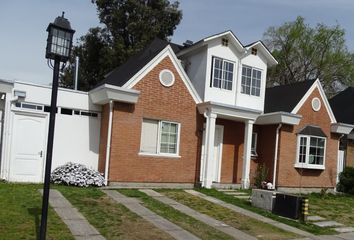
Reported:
(254, 145)
(222, 73)
(159, 138)
(311, 152)
(251, 81)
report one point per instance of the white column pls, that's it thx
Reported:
(245, 182)
(209, 150)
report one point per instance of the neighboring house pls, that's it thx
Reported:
(298, 137)
(343, 108)
(24, 115)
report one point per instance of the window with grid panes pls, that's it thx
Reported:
(222, 73)
(251, 81)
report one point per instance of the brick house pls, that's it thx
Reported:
(201, 114)
(343, 109)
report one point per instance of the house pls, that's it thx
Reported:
(197, 114)
(343, 109)
(24, 118)
(298, 137)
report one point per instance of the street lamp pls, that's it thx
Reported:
(59, 45)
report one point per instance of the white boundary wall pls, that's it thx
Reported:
(76, 136)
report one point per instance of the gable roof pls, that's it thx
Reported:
(236, 42)
(343, 106)
(120, 75)
(284, 98)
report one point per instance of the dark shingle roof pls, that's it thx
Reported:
(120, 75)
(284, 98)
(312, 130)
(343, 106)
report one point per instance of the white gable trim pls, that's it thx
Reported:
(315, 85)
(237, 43)
(167, 51)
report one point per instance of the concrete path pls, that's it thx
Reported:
(251, 214)
(235, 233)
(79, 227)
(134, 205)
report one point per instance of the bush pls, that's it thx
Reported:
(346, 181)
(260, 175)
(77, 175)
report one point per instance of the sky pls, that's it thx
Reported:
(23, 25)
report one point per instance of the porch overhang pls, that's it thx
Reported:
(229, 112)
(278, 118)
(341, 128)
(106, 93)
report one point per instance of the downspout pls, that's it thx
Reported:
(337, 178)
(276, 154)
(108, 145)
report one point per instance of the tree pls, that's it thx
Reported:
(306, 53)
(127, 27)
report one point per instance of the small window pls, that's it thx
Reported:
(66, 111)
(251, 81)
(76, 112)
(311, 152)
(254, 145)
(225, 42)
(222, 73)
(83, 113)
(47, 109)
(159, 137)
(254, 51)
(29, 106)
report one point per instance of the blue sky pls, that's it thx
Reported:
(23, 24)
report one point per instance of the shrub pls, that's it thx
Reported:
(260, 175)
(77, 175)
(346, 181)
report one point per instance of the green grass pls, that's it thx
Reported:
(249, 225)
(111, 219)
(339, 208)
(188, 223)
(20, 214)
(246, 205)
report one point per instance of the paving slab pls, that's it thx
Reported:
(242, 197)
(344, 229)
(315, 218)
(219, 225)
(327, 224)
(76, 222)
(236, 193)
(251, 214)
(163, 224)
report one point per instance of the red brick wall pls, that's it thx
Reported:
(288, 175)
(350, 153)
(103, 138)
(156, 102)
(232, 151)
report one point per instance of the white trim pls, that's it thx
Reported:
(341, 128)
(255, 145)
(106, 92)
(315, 85)
(161, 80)
(167, 51)
(264, 51)
(221, 127)
(276, 148)
(308, 142)
(278, 117)
(313, 104)
(162, 155)
(108, 144)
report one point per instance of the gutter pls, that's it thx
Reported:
(276, 154)
(108, 145)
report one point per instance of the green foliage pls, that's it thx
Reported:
(308, 53)
(346, 181)
(260, 175)
(127, 26)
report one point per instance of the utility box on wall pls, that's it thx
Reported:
(287, 205)
(264, 199)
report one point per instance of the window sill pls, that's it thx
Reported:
(158, 155)
(309, 166)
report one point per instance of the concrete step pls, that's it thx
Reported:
(328, 224)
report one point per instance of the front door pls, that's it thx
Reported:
(218, 139)
(27, 154)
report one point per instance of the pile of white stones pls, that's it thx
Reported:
(77, 175)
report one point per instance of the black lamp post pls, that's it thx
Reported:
(59, 45)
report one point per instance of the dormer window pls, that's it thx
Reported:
(222, 73)
(251, 81)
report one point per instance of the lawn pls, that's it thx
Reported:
(247, 205)
(111, 219)
(190, 224)
(20, 214)
(339, 208)
(249, 225)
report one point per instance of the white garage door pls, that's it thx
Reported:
(28, 144)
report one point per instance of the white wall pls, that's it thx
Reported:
(76, 136)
